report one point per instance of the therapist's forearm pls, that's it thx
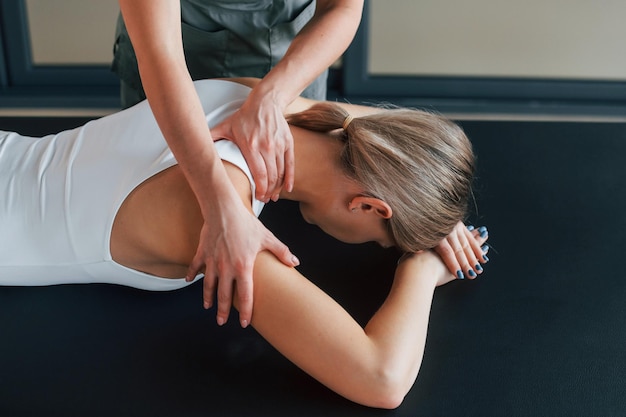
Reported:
(181, 119)
(154, 28)
(320, 43)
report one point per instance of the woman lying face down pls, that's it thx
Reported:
(107, 203)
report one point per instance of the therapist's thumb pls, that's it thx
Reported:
(281, 251)
(222, 131)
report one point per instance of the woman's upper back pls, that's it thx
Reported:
(61, 193)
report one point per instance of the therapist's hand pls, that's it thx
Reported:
(261, 132)
(229, 244)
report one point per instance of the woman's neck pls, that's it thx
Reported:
(317, 165)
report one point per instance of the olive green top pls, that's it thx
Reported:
(224, 38)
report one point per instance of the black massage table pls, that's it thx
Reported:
(541, 333)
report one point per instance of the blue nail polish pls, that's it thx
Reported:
(459, 274)
(484, 234)
(470, 227)
(478, 267)
(471, 273)
(482, 229)
(485, 248)
(485, 258)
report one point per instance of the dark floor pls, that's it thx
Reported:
(541, 333)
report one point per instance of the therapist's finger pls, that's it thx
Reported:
(271, 166)
(245, 293)
(258, 169)
(289, 167)
(195, 268)
(224, 298)
(209, 285)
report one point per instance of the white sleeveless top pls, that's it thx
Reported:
(60, 193)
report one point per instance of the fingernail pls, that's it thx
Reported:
(275, 198)
(485, 248)
(470, 228)
(220, 321)
(244, 323)
(459, 274)
(295, 260)
(485, 258)
(471, 273)
(206, 305)
(482, 229)
(478, 267)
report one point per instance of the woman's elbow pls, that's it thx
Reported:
(387, 398)
(388, 401)
(388, 389)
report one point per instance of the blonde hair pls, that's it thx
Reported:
(419, 163)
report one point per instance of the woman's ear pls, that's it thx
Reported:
(370, 205)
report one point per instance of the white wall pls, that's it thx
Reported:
(72, 31)
(529, 38)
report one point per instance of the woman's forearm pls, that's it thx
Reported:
(375, 366)
(399, 327)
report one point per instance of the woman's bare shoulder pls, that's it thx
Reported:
(247, 81)
(303, 103)
(299, 104)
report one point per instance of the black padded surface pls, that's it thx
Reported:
(540, 333)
